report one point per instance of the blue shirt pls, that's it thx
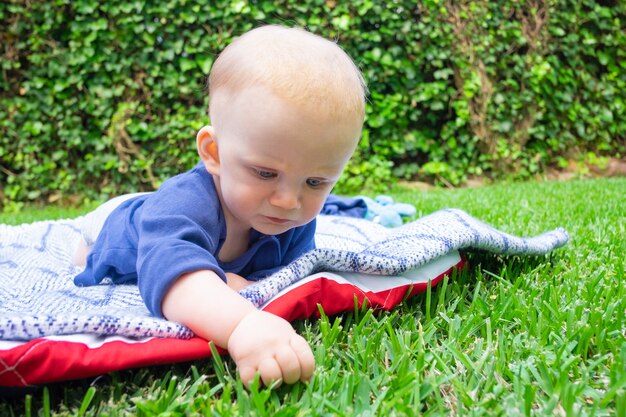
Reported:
(155, 238)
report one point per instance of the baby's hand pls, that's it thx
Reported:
(267, 344)
(236, 282)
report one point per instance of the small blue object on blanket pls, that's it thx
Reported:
(385, 211)
(38, 297)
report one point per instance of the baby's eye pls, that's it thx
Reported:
(314, 182)
(262, 173)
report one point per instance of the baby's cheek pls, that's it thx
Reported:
(249, 196)
(313, 208)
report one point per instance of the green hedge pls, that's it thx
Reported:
(104, 97)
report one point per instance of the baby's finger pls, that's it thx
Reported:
(289, 364)
(305, 356)
(247, 374)
(270, 371)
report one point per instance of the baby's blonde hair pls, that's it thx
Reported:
(296, 65)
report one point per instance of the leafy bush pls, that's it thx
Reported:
(100, 98)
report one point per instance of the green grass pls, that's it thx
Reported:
(508, 336)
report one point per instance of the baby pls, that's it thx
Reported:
(287, 109)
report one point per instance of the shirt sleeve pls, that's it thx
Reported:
(175, 238)
(162, 258)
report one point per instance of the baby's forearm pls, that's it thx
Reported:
(201, 301)
(258, 342)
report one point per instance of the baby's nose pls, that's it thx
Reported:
(286, 198)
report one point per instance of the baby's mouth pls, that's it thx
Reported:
(277, 220)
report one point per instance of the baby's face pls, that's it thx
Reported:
(278, 163)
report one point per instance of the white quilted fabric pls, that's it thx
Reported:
(38, 297)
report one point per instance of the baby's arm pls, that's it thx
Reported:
(257, 341)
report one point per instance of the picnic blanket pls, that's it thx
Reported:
(38, 297)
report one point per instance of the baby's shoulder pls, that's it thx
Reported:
(188, 194)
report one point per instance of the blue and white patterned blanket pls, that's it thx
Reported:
(38, 297)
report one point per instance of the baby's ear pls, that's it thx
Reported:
(207, 149)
